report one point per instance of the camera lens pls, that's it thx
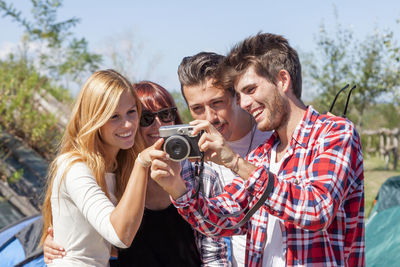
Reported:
(177, 147)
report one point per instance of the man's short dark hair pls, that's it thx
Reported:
(268, 54)
(197, 69)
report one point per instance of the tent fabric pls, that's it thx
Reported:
(30, 236)
(389, 194)
(7, 232)
(19, 243)
(11, 254)
(382, 232)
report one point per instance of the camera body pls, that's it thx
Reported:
(179, 142)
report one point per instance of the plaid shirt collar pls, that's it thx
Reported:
(302, 132)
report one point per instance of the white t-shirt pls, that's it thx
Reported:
(81, 217)
(242, 146)
(273, 250)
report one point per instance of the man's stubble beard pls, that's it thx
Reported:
(279, 112)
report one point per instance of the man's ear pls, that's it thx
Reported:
(284, 81)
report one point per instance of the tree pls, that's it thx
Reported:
(376, 72)
(25, 98)
(342, 59)
(59, 54)
(327, 70)
(123, 51)
(31, 82)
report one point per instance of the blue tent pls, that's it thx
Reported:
(382, 231)
(19, 243)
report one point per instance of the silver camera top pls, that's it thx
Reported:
(179, 129)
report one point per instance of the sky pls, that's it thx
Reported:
(165, 31)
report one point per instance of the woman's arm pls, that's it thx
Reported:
(127, 215)
(118, 225)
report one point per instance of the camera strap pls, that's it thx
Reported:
(250, 212)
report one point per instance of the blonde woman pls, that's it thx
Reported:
(164, 237)
(98, 166)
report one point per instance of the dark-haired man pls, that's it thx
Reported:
(221, 109)
(311, 169)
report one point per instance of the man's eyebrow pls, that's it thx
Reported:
(194, 105)
(247, 87)
(218, 98)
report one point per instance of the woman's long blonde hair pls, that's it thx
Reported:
(82, 142)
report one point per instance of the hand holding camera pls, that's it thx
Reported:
(184, 141)
(213, 144)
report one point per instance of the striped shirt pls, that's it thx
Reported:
(318, 194)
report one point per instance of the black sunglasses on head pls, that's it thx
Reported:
(165, 115)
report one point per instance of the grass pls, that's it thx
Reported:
(374, 176)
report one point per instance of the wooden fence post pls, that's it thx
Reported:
(388, 144)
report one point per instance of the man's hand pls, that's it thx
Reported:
(216, 149)
(213, 144)
(51, 250)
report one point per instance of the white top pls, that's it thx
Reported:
(81, 217)
(273, 250)
(251, 140)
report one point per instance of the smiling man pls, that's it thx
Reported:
(221, 108)
(207, 102)
(311, 169)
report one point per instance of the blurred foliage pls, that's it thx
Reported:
(20, 115)
(123, 51)
(382, 115)
(16, 176)
(50, 43)
(48, 56)
(372, 64)
(4, 154)
(182, 107)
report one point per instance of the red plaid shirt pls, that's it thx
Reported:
(318, 193)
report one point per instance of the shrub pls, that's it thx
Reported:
(21, 85)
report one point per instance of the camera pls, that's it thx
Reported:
(179, 142)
